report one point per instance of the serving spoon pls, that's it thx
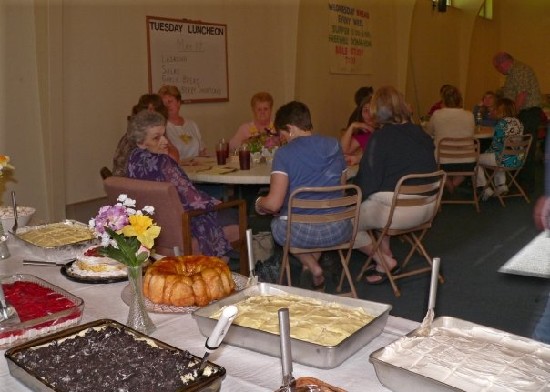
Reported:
(15, 217)
(429, 318)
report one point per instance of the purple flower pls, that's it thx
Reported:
(114, 217)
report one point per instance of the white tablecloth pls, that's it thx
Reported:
(246, 370)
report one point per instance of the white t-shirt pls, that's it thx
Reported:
(186, 138)
(451, 122)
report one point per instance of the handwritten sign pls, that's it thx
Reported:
(191, 55)
(350, 41)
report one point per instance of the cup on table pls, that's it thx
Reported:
(222, 152)
(244, 157)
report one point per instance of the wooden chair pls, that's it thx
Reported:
(348, 209)
(462, 151)
(175, 222)
(412, 191)
(105, 172)
(516, 148)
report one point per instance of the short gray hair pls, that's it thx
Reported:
(141, 122)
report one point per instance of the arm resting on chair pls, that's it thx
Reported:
(239, 245)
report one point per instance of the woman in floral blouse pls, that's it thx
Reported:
(507, 125)
(150, 161)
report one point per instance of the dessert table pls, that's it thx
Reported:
(246, 370)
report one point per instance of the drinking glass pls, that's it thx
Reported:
(222, 152)
(244, 157)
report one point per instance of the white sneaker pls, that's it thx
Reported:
(501, 190)
(487, 193)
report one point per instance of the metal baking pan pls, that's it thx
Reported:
(303, 352)
(54, 253)
(400, 379)
(211, 383)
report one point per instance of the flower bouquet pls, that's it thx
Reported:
(127, 235)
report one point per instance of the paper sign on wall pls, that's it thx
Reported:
(349, 37)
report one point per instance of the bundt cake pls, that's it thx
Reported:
(187, 280)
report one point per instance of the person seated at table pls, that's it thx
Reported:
(150, 161)
(151, 102)
(452, 120)
(486, 110)
(262, 105)
(306, 160)
(358, 97)
(182, 132)
(397, 148)
(439, 104)
(507, 125)
(355, 138)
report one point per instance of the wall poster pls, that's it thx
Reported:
(349, 37)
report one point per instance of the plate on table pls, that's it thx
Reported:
(69, 274)
(240, 283)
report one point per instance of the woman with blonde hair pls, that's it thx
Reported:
(396, 148)
(262, 105)
(183, 133)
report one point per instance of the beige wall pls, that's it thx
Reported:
(72, 69)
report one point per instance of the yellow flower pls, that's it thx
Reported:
(5, 163)
(142, 227)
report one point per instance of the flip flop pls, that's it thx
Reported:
(382, 275)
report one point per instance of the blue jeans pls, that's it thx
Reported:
(542, 329)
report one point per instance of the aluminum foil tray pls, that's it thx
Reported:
(211, 383)
(54, 253)
(528, 371)
(303, 352)
(30, 328)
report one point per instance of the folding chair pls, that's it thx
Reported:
(348, 209)
(463, 152)
(414, 191)
(516, 149)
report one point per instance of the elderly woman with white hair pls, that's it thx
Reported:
(150, 161)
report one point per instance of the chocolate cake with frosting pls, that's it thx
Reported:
(112, 358)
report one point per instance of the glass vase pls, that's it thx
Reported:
(4, 251)
(138, 318)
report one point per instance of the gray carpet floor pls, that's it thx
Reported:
(472, 247)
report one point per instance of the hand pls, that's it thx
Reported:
(541, 213)
(359, 126)
(352, 159)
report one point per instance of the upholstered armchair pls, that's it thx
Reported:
(174, 220)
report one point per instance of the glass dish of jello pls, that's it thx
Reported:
(42, 308)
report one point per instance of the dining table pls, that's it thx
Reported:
(206, 170)
(246, 370)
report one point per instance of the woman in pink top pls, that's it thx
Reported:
(262, 105)
(355, 138)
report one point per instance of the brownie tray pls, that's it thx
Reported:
(493, 374)
(205, 383)
(303, 352)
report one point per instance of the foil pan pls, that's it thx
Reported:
(494, 373)
(54, 253)
(211, 383)
(303, 352)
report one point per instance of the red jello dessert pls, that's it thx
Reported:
(42, 308)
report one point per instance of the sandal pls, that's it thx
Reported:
(382, 275)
